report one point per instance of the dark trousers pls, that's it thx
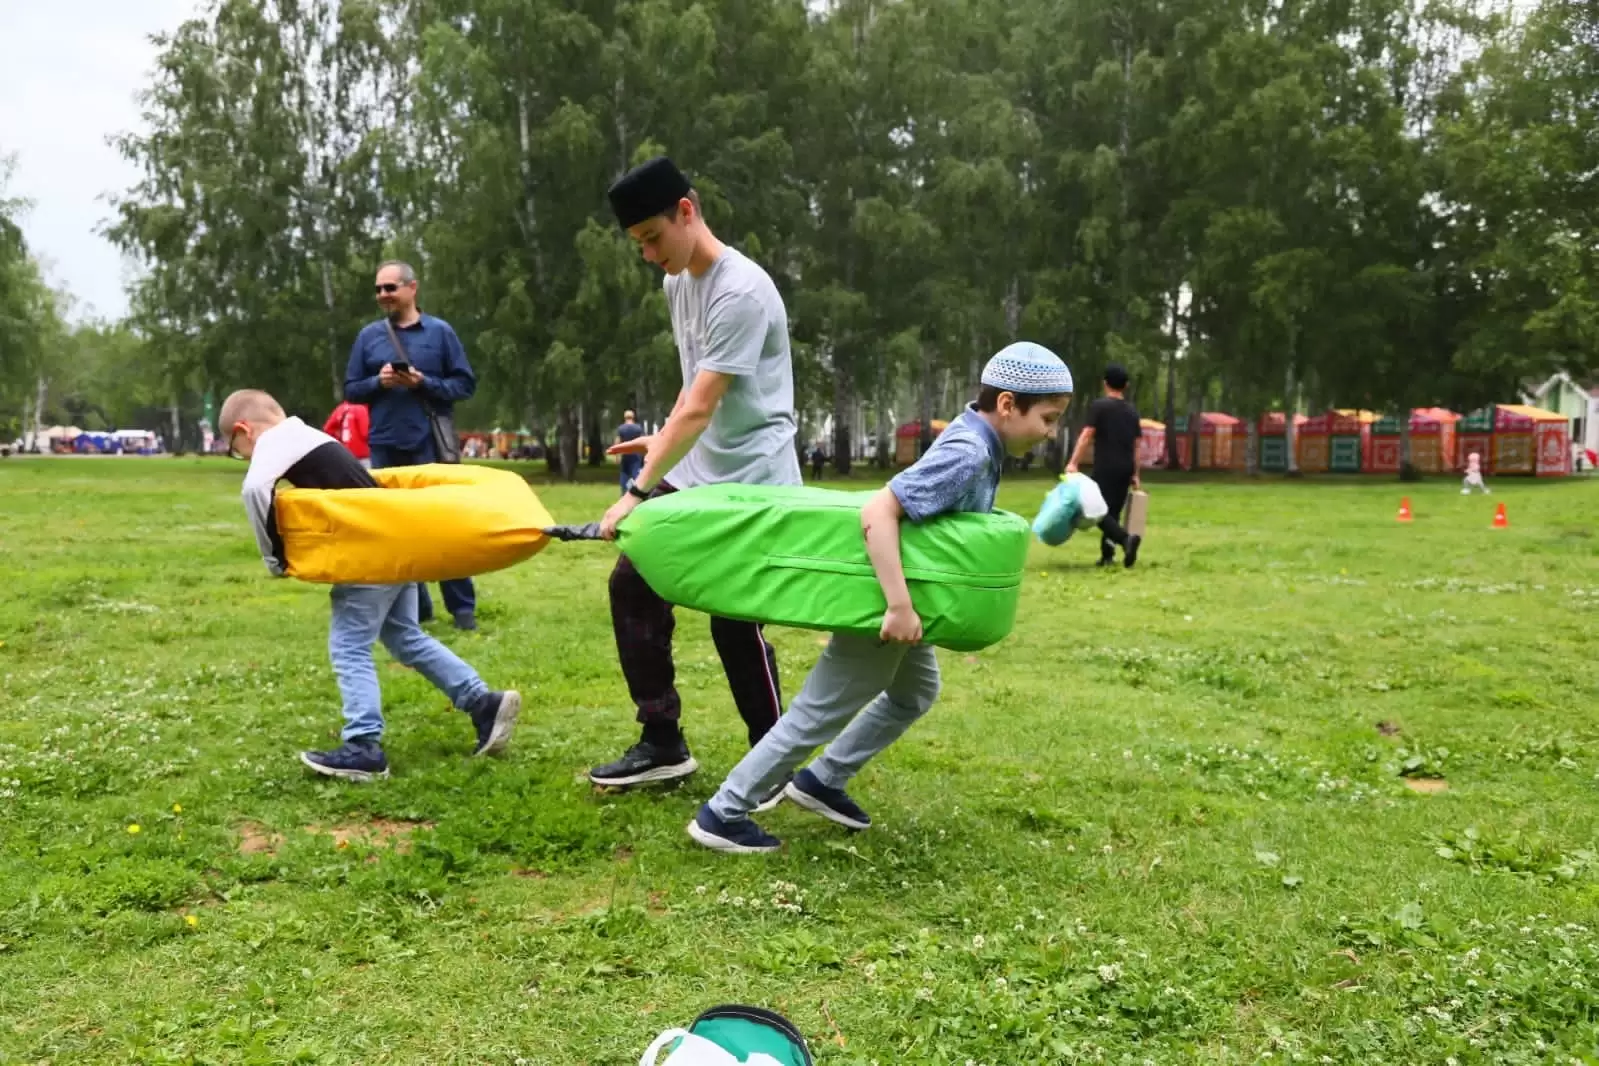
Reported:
(460, 597)
(1114, 485)
(643, 624)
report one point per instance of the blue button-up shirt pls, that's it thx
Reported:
(399, 419)
(960, 472)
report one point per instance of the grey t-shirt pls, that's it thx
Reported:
(731, 320)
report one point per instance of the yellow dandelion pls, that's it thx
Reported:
(134, 829)
(177, 808)
(191, 921)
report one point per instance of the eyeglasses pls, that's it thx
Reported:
(233, 452)
(389, 288)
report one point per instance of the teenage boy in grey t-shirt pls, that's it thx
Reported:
(733, 422)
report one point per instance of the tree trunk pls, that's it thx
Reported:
(1407, 468)
(1171, 383)
(1252, 447)
(596, 439)
(1290, 431)
(924, 405)
(39, 398)
(567, 437)
(177, 427)
(880, 455)
(841, 421)
(335, 367)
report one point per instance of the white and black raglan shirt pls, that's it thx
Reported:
(306, 458)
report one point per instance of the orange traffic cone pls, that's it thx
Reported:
(1404, 510)
(1501, 520)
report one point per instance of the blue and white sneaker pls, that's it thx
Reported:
(356, 760)
(494, 717)
(831, 803)
(742, 837)
(774, 796)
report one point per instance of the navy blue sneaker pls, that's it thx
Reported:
(742, 837)
(831, 803)
(466, 621)
(494, 717)
(773, 796)
(356, 760)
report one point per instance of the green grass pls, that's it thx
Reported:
(1160, 823)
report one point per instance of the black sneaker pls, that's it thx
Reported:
(357, 760)
(774, 796)
(830, 803)
(466, 621)
(645, 762)
(1131, 551)
(1106, 560)
(494, 717)
(742, 837)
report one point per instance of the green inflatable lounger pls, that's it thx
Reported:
(797, 557)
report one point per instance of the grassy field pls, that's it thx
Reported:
(1306, 786)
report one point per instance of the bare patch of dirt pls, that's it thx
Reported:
(535, 875)
(378, 833)
(1427, 785)
(257, 839)
(1387, 728)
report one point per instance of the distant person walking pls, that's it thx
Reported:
(818, 462)
(1113, 429)
(632, 462)
(409, 368)
(350, 424)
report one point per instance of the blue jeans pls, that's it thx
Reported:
(363, 614)
(861, 697)
(632, 467)
(460, 597)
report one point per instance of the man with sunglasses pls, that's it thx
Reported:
(429, 371)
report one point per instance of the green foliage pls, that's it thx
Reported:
(1377, 205)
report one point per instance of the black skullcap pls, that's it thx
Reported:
(649, 189)
(1116, 376)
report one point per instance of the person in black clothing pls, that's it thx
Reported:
(818, 461)
(1113, 429)
(282, 448)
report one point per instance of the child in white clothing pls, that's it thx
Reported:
(1473, 475)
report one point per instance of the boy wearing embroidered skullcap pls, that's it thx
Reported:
(1025, 391)
(280, 448)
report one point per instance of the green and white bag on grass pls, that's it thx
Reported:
(732, 1035)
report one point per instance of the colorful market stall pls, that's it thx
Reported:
(1349, 441)
(1432, 442)
(908, 440)
(1152, 444)
(1205, 442)
(1339, 441)
(1274, 440)
(1515, 439)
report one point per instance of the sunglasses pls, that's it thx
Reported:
(390, 288)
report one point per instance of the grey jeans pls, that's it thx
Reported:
(899, 680)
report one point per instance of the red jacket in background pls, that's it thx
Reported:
(349, 424)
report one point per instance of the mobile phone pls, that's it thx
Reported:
(402, 367)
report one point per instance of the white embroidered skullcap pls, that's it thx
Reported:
(1028, 368)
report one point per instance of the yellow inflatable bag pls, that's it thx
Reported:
(427, 523)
